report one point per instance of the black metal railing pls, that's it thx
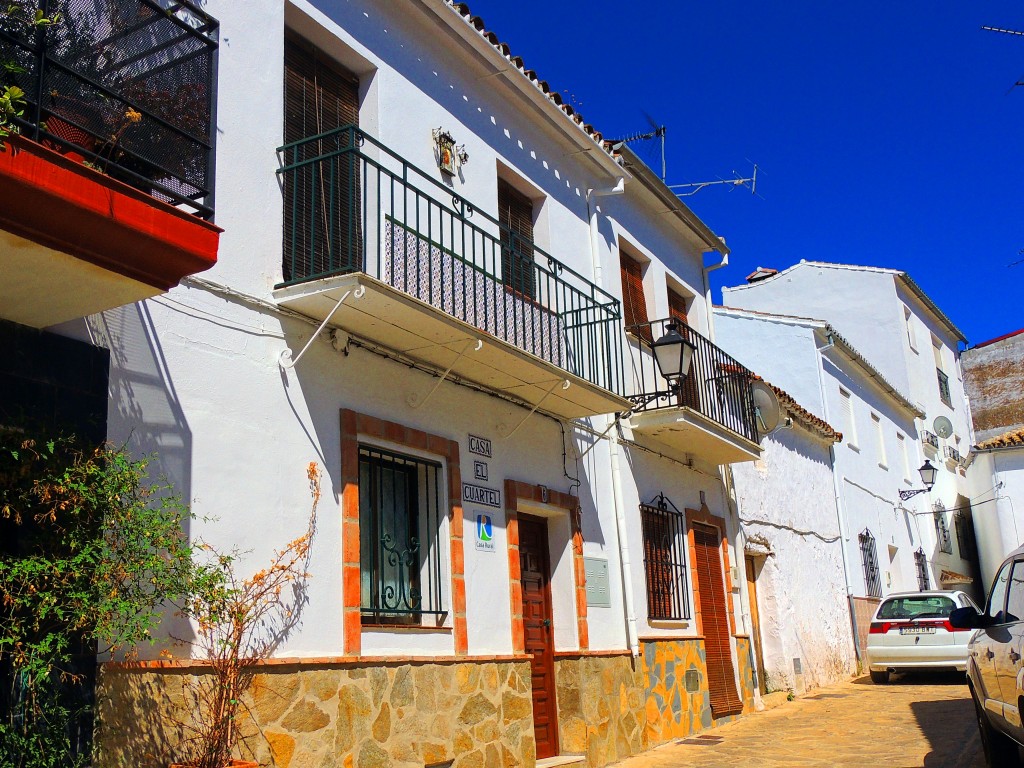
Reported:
(869, 559)
(353, 205)
(128, 86)
(717, 386)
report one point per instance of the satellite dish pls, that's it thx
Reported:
(943, 427)
(767, 411)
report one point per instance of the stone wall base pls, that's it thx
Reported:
(391, 715)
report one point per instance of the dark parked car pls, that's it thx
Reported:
(995, 674)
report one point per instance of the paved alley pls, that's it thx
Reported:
(914, 722)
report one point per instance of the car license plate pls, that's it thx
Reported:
(917, 630)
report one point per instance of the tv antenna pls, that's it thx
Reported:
(656, 132)
(737, 181)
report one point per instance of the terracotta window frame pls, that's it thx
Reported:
(514, 491)
(357, 427)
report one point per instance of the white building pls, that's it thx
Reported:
(889, 544)
(914, 345)
(793, 554)
(418, 286)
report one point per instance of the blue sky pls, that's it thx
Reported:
(884, 131)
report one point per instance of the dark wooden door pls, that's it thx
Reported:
(536, 579)
(714, 611)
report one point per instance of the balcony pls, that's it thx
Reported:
(711, 416)
(430, 275)
(106, 194)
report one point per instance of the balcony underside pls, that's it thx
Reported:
(688, 431)
(74, 242)
(398, 321)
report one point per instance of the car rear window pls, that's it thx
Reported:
(925, 607)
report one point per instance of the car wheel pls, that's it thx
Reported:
(1000, 750)
(879, 676)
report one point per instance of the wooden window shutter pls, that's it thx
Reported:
(515, 214)
(320, 237)
(688, 394)
(714, 609)
(634, 305)
(677, 307)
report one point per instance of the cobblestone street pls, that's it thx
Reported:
(915, 721)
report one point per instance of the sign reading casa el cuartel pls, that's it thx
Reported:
(477, 494)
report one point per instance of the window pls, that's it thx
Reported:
(634, 304)
(663, 530)
(964, 525)
(1015, 594)
(944, 395)
(677, 307)
(941, 529)
(869, 558)
(921, 564)
(908, 318)
(901, 441)
(515, 214)
(319, 96)
(940, 374)
(880, 435)
(399, 537)
(849, 423)
(997, 598)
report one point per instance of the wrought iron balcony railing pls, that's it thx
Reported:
(718, 386)
(128, 86)
(354, 205)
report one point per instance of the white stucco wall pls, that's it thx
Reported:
(997, 501)
(787, 505)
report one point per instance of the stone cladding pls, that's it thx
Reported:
(388, 715)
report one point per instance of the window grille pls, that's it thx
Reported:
(921, 563)
(664, 537)
(942, 529)
(952, 454)
(930, 439)
(944, 395)
(869, 557)
(965, 536)
(400, 499)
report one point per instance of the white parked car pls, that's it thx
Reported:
(911, 631)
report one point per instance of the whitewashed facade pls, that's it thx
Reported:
(392, 335)
(793, 549)
(895, 326)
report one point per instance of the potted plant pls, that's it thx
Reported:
(238, 622)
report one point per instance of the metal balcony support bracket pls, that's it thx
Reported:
(415, 401)
(503, 430)
(286, 361)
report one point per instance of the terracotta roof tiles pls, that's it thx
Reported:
(1009, 439)
(556, 98)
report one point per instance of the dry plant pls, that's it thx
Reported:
(239, 622)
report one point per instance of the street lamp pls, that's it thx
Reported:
(927, 472)
(673, 354)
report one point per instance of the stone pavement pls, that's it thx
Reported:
(914, 722)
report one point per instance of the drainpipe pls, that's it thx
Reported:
(620, 527)
(844, 535)
(613, 444)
